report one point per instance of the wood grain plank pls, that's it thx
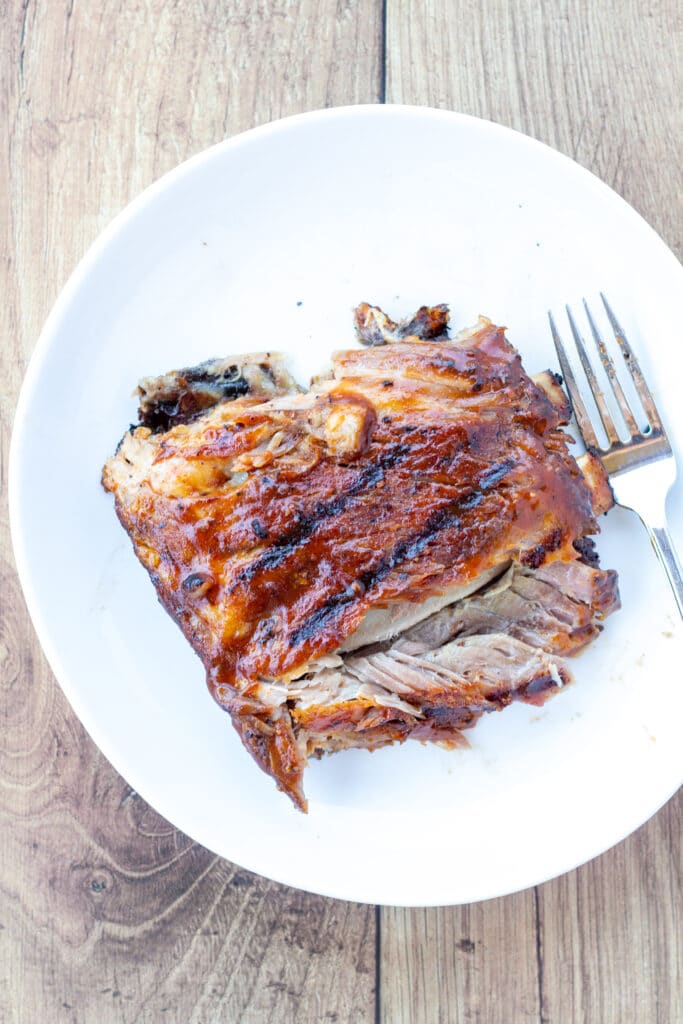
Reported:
(460, 965)
(107, 913)
(601, 81)
(610, 937)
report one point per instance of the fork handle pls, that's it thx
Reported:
(666, 553)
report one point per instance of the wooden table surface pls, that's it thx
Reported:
(108, 914)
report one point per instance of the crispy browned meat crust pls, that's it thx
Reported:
(272, 525)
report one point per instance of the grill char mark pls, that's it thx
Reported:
(284, 545)
(411, 547)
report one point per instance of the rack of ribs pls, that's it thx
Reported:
(389, 554)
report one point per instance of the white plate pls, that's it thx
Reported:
(268, 241)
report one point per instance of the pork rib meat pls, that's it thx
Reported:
(389, 554)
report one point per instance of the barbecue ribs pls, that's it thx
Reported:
(390, 554)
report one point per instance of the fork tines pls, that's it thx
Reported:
(654, 430)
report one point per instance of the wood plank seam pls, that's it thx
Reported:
(378, 964)
(383, 54)
(378, 909)
(539, 956)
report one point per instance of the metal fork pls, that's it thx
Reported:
(641, 470)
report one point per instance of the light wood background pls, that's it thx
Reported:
(109, 915)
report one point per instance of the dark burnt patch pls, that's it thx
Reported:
(259, 529)
(585, 546)
(535, 557)
(183, 396)
(430, 323)
(374, 327)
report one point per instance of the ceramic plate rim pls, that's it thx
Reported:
(49, 336)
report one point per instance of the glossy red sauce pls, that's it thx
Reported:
(459, 468)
